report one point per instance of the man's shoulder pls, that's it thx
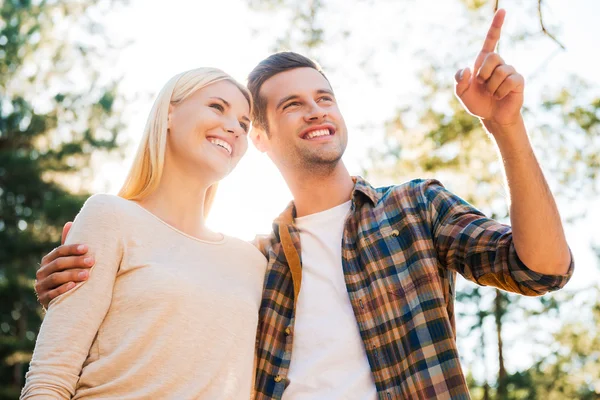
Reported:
(264, 242)
(415, 190)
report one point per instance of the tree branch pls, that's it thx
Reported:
(544, 30)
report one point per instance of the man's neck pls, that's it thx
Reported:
(314, 192)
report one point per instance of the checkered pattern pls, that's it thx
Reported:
(401, 250)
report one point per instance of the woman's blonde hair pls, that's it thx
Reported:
(145, 173)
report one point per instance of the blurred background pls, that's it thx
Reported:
(77, 79)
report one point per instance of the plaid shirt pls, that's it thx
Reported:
(401, 249)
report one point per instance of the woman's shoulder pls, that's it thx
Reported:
(248, 250)
(103, 202)
(108, 207)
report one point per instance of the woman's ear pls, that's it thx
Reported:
(169, 117)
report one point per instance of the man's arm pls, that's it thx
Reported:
(494, 93)
(480, 249)
(62, 269)
(538, 233)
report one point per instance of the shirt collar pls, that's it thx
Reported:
(362, 190)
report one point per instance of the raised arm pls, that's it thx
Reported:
(494, 93)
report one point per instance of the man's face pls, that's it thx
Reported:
(305, 127)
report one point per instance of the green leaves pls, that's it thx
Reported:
(49, 128)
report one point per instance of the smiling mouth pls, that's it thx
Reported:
(221, 143)
(317, 134)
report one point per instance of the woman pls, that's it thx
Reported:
(170, 309)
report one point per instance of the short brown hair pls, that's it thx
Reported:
(267, 68)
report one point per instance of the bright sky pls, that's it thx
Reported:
(185, 35)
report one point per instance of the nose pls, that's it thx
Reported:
(315, 113)
(233, 127)
(233, 132)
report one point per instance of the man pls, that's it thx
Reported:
(374, 318)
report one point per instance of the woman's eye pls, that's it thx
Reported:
(244, 127)
(217, 106)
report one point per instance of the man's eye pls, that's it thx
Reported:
(325, 98)
(217, 106)
(292, 104)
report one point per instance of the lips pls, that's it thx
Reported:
(318, 132)
(222, 143)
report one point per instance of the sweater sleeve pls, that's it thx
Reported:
(73, 319)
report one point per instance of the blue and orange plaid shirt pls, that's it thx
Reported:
(401, 249)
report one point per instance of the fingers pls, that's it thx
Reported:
(63, 251)
(463, 81)
(46, 297)
(498, 76)
(490, 63)
(62, 264)
(493, 35)
(495, 74)
(65, 232)
(513, 83)
(57, 279)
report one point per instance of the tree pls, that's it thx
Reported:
(56, 113)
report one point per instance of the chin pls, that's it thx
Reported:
(324, 157)
(216, 170)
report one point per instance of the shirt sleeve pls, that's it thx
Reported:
(479, 248)
(264, 243)
(73, 319)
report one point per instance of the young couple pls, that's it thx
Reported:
(350, 297)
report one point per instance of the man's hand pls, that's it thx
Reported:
(494, 90)
(61, 269)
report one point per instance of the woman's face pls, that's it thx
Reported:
(208, 131)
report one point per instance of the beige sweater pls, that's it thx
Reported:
(162, 316)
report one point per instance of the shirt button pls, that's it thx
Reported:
(288, 331)
(278, 378)
(395, 233)
(360, 302)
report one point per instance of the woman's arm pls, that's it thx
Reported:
(72, 322)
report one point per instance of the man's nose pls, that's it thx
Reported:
(315, 113)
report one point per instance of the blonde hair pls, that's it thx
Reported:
(145, 173)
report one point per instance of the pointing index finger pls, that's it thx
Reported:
(493, 35)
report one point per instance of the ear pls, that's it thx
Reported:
(260, 139)
(169, 117)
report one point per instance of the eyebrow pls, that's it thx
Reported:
(285, 100)
(223, 100)
(229, 106)
(294, 96)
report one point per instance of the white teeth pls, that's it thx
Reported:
(221, 143)
(320, 132)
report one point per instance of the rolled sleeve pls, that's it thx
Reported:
(539, 283)
(479, 248)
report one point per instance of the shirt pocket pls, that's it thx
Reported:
(404, 271)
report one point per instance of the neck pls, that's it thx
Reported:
(316, 191)
(179, 201)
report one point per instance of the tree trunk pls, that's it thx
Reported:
(499, 311)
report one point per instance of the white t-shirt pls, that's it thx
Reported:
(328, 357)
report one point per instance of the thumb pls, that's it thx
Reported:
(463, 81)
(65, 232)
